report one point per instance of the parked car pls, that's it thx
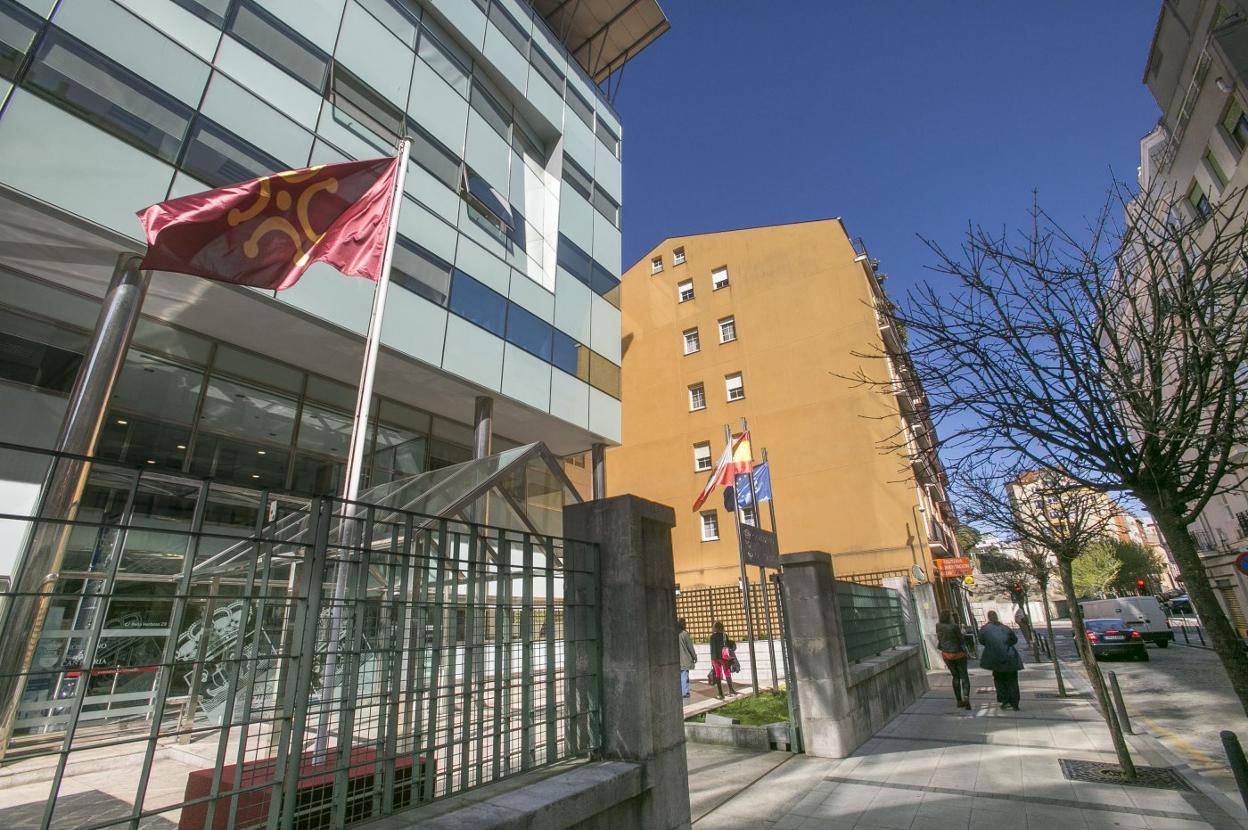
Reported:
(1143, 614)
(1110, 637)
(1182, 604)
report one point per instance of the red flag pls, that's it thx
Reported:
(267, 231)
(734, 459)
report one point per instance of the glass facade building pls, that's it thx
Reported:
(506, 271)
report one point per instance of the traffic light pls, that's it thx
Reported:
(1140, 587)
(1016, 594)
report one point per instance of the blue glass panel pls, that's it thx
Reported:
(574, 260)
(478, 304)
(210, 11)
(276, 42)
(18, 27)
(563, 352)
(529, 332)
(480, 190)
(601, 281)
(420, 272)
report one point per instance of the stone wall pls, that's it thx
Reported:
(842, 704)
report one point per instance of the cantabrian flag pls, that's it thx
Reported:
(267, 231)
(736, 459)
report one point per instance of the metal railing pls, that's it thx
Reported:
(186, 650)
(871, 619)
(875, 578)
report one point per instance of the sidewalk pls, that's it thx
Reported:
(938, 767)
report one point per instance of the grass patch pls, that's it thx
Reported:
(757, 710)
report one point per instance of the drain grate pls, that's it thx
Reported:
(1099, 772)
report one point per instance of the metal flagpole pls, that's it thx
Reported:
(745, 580)
(762, 572)
(355, 456)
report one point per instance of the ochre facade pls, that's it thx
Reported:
(803, 306)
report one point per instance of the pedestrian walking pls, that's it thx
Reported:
(723, 652)
(1002, 659)
(953, 649)
(688, 656)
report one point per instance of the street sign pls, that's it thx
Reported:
(956, 566)
(968, 580)
(759, 548)
(1241, 563)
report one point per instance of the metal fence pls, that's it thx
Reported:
(218, 657)
(871, 619)
(873, 577)
(702, 607)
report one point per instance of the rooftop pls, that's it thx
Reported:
(603, 35)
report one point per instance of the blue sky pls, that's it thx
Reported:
(902, 117)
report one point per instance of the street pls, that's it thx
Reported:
(1181, 695)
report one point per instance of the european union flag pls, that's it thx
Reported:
(762, 486)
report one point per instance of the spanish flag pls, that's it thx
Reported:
(736, 459)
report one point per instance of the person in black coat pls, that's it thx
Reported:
(1002, 659)
(722, 651)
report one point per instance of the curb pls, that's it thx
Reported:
(1146, 741)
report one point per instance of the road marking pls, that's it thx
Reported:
(1187, 748)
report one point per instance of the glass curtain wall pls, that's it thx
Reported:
(186, 404)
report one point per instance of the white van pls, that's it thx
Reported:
(1144, 614)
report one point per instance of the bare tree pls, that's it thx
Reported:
(1053, 520)
(1116, 355)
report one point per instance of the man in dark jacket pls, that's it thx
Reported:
(688, 656)
(1002, 659)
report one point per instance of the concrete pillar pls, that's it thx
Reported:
(818, 651)
(598, 455)
(38, 569)
(642, 719)
(483, 427)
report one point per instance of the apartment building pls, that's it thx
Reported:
(1197, 70)
(767, 324)
(505, 276)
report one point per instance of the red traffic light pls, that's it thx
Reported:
(1017, 589)
(1139, 583)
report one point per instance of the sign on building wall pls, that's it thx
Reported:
(955, 566)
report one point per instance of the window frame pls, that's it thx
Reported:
(713, 525)
(1234, 122)
(1202, 206)
(656, 265)
(718, 284)
(695, 341)
(730, 321)
(680, 291)
(698, 466)
(678, 256)
(739, 387)
(282, 30)
(699, 390)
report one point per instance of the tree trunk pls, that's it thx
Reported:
(1094, 672)
(1048, 624)
(1226, 642)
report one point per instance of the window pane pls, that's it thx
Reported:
(217, 157)
(27, 356)
(211, 11)
(528, 332)
(421, 272)
(488, 107)
(604, 375)
(108, 95)
(364, 105)
(478, 304)
(487, 198)
(572, 259)
(577, 178)
(441, 58)
(568, 355)
(280, 45)
(511, 29)
(244, 462)
(399, 454)
(430, 154)
(18, 27)
(580, 106)
(396, 15)
(546, 68)
(151, 386)
(253, 367)
(609, 139)
(248, 412)
(607, 206)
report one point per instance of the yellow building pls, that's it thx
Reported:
(766, 324)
